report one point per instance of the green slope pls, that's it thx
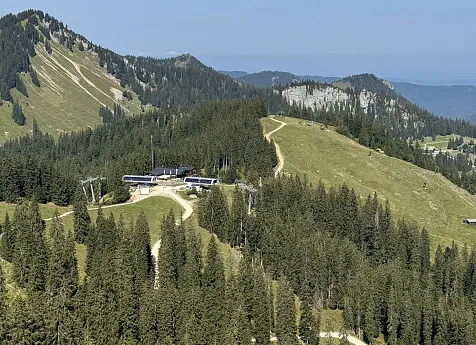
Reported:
(328, 156)
(72, 88)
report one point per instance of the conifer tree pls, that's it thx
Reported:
(167, 306)
(148, 318)
(7, 241)
(30, 255)
(61, 284)
(167, 259)
(237, 328)
(62, 275)
(308, 325)
(20, 86)
(285, 315)
(213, 295)
(48, 48)
(144, 270)
(238, 219)
(261, 312)
(34, 77)
(81, 218)
(35, 129)
(3, 308)
(127, 294)
(17, 115)
(188, 327)
(213, 213)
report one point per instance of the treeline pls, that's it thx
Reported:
(111, 115)
(338, 252)
(121, 301)
(17, 44)
(218, 138)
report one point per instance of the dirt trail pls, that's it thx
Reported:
(157, 191)
(280, 165)
(337, 335)
(187, 205)
(351, 339)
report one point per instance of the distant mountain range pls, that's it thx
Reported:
(452, 101)
(455, 101)
(274, 78)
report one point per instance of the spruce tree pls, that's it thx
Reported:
(144, 269)
(238, 219)
(30, 254)
(260, 310)
(34, 77)
(17, 115)
(3, 308)
(20, 86)
(81, 218)
(167, 259)
(188, 327)
(7, 241)
(127, 294)
(61, 284)
(148, 318)
(285, 314)
(213, 295)
(213, 213)
(308, 325)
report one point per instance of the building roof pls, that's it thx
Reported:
(171, 171)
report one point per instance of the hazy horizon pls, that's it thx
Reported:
(303, 37)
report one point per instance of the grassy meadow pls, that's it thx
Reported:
(334, 159)
(72, 88)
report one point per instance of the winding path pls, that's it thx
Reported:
(164, 191)
(280, 165)
(337, 335)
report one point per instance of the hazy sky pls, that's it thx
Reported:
(404, 38)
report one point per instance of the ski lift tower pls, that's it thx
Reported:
(251, 192)
(90, 180)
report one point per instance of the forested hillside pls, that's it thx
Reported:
(358, 107)
(39, 167)
(122, 301)
(376, 268)
(61, 79)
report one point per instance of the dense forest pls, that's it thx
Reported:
(358, 259)
(191, 300)
(39, 167)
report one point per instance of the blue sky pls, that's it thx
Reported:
(415, 39)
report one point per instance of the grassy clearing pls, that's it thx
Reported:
(46, 210)
(334, 159)
(441, 141)
(155, 208)
(231, 256)
(331, 320)
(72, 87)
